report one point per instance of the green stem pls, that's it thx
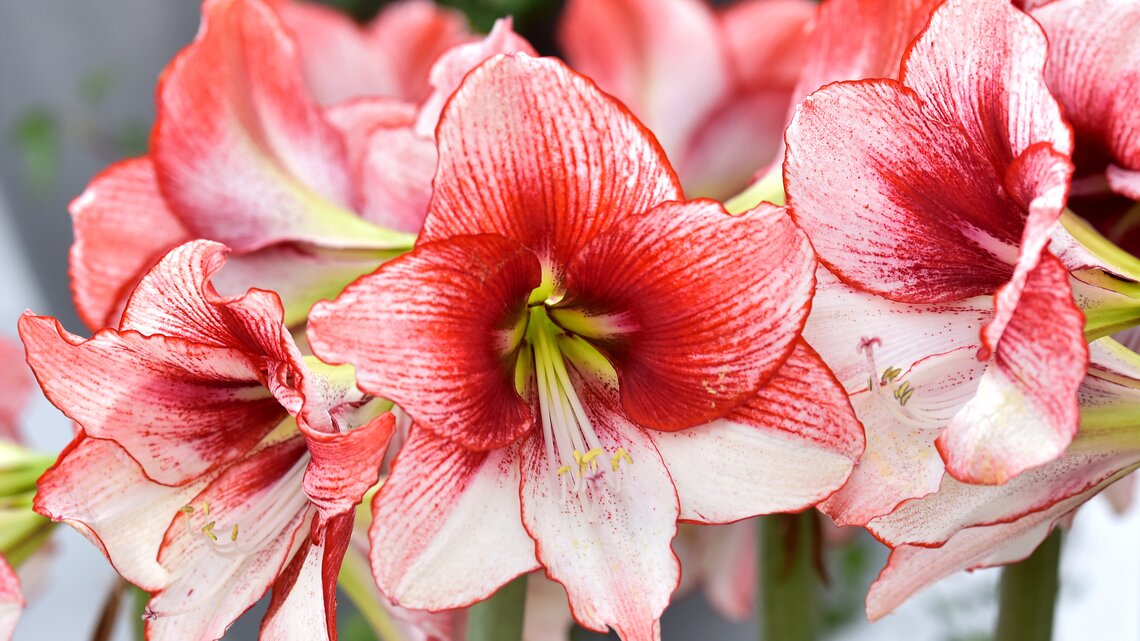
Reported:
(1028, 594)
(499, 618)
(788, 594)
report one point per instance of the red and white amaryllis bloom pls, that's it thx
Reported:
(931, 200)
(713, 85)
(214, 461)
(965, 526)
(241, 153)
(11, 600)
(582, 368)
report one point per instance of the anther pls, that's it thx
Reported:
(208, 530)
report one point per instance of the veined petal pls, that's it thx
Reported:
(453, 66)
(303, 607)
(446, 528)
(513, 148)
(1025, 410)
(241, 152)
(122, 227)
(692, 333)
(345, 464)
(789, 447)
(412, 35)
(231, 543)
(1094, 70)
(607, 544)
(180, 408)
(663, 58)
(98, 489)
(430, 330)
(11, 600)
(901, 461)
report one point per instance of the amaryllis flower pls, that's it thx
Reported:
(391, 56)
(11, 600)
(586, 359)
(241, 153)
(214, 461)
(932, 198)
(1093, 70)
(713, 86)
(965, 526)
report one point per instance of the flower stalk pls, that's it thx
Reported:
(788, 593)
(500, 617)
(1029, 594)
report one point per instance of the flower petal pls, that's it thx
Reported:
(412, 35)
(788, 448)
(345, 464)
(608, 545)
(662, 58)
(695, 333)
(396, 171)
(11, 600)
(429, 330)
(512, 147)
(446, 528)
(122, 227)
(98, 489)
(231, 544)
(1025, 411)
(15, 390)
(1124, 181)
(241, 152)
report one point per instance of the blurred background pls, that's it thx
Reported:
(76, 94)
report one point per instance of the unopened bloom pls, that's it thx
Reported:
(213, 461)
(586, 358)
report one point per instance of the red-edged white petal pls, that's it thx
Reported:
(15, 389)
(608, 545)
(786, 449)
(447, 529)
(241, 152)
(303, 607)
(1094, 70)
(857, 39)
(11, 600)
(663, 58)
(99, 490)
(244, 527)
(345, 464)
(901, 461)
(448, 72)
(514, 148)
(180, 408)
(411, 35)
(1025, 410)
(692, 333)
(122, 227)
(430, 331)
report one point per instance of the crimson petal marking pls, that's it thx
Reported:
(346, 464)
(15, 389)
(1025, 412)
(663, 58)
(11, 600)
(122, 227)
(700, 331)
(98, 489)
(241, 152)
(610, 547)
(447, 529)
(219, 571)
(789, 447)
(453, 66)
(429, 331)
(1094, 70)
(513, 147)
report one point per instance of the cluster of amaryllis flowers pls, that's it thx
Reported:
(719, 263)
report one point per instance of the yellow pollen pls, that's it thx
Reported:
(902, 389)
(206, 508)
(890, 375)
(208, 530)
(619, 455)
(189, 509)
(565, 469)
(234, 533)
(589, 457)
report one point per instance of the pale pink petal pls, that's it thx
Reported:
(15, 389)
(99, 490)
(901, 461)
(447, 529)
(728, 563)
(663, 58)
(411, 35)
(512, 147)
(448, 72)
(241, 152)
(1025, 410)
(122, 227)
(11, 600)
(547, 615)
(396, 170)
(1124, 181)
(788, 448)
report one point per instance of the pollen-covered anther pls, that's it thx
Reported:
(208, 530)
(619, 456)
